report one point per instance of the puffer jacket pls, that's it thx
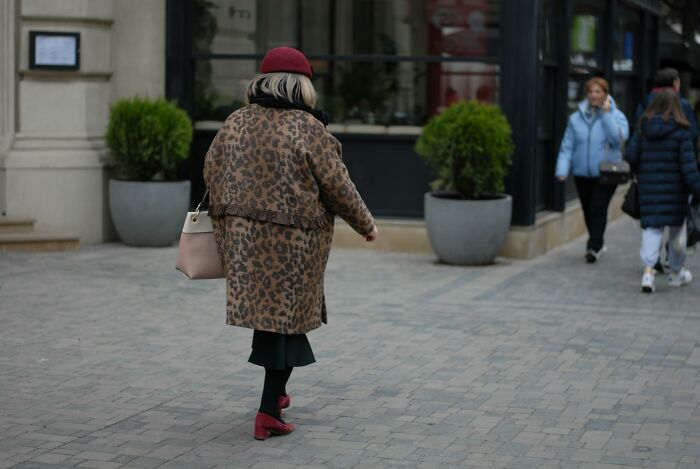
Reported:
(685, 106)
(661, 154)
(591, 137)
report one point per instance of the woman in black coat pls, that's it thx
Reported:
(661, 153)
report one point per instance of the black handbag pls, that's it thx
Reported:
(630, 205)
(613, 173)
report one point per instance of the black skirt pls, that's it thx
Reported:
(280, 351)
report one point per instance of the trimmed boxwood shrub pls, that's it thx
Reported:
(148, 138)
(469, 148)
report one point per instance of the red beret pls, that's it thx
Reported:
(286, 59)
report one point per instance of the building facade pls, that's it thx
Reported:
(53, 160)
(382, 68)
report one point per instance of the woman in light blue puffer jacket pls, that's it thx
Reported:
(595, 133)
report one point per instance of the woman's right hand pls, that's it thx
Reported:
(372, 235)
(562, 178)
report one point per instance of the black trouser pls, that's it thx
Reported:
(595, 199)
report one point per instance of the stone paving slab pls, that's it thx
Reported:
(110, 358)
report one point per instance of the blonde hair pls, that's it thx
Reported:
(290, 87)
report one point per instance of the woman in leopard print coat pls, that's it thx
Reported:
(276, 180)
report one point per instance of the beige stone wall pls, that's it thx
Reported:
(7, 90)
(54, 169)
(54, 165)
(138, 48)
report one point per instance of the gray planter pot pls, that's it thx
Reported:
(148, 213)
(467, 232)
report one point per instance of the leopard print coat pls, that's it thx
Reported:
(276, 180)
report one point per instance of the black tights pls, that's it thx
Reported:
(273, 389)
(595, 199)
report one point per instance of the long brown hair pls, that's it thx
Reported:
(668, 104)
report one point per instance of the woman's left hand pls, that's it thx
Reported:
(372, 235)
(606, 104)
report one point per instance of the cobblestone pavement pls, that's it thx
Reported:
(110, 358)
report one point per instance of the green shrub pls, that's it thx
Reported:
(469, 148)
(149, 138)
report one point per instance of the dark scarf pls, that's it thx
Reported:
(266, 100)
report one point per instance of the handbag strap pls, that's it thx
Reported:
(206, 193)
(196, 210)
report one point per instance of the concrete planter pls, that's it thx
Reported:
(467, 232)
(148, 214)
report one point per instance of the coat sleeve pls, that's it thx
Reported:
(616, 127)
(337, 191)
(689, 166)
(566, 150)
(213, 160)
(633, 149)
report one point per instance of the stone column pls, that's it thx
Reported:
(7, 90)
(55, 167)
(53, 159)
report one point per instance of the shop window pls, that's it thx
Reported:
(625, 54)
(586, 57)
(374, 93)
(469, 28)
(624, 50)
(456, 81)
(626, 40)
(388, 62)
(586, 34)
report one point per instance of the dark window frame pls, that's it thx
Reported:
(360, 58)
(35, 34)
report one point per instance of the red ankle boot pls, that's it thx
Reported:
(284, 401)
(266, 425)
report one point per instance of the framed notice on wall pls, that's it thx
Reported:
(53, 50)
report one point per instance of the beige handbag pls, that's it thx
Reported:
(197, 256)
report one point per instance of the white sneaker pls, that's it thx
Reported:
(648, 282)
(683, 277)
